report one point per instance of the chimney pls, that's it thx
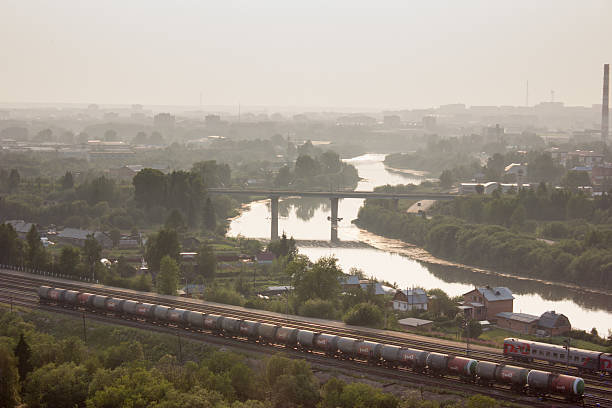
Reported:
(604, 105)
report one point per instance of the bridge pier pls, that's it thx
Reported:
(334, 219)
(274, 218)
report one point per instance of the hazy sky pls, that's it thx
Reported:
(331, 53)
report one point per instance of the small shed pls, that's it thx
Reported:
(554, 323)
(414, 324)
(518, 322)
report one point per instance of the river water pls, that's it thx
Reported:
(306, 219)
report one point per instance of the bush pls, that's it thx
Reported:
(324, 309)
(365, 314)
(224, 295)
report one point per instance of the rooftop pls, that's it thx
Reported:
(519, 317)
(493, 294)
(414, 322)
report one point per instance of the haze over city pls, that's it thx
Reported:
(353, 54)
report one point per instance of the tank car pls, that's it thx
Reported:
(177, 316)
(415, 359)
(85, 299)
(305, 339)
(145, 311)
(437, 363)
(160, 313)
(249, 329)
(99, 302)
(195, 319)
(327, 343)
(267, 333)
(287, 336)
(544, 383)
(369, 350)
(462, 367)
(230, 326)
(347, 347)
(390, 355)
(71, 298)
(129, 308)
(56, 295)
(114, 305)
(43, 293)
(213, 322)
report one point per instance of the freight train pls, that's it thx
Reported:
(521, 380)
(585, 360)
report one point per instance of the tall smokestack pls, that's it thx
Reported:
(604, 104)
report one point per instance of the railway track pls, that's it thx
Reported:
(27, 283)
(21, 295)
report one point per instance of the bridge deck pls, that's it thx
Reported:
(333, 194)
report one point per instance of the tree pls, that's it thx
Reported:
(283, 177)
(14, 180)
(115, 236)
(207, 262)
(67, 181)
(210, 219)
(165, 242)
(141, 138)
(283, 247)
(36, 251)
(167, 278)
(11, 249)
(321, 280)
(69, 261)
(23, 353)
(156, 138)
(92, 251)
(574, 179)
(62, 386)
(365, 314)
(306, 167)
(330, 162)
(175, 221)
(9, 378)
(149, 187)
(447, 179)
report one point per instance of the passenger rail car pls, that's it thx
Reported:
(584, 360)
(520, 380)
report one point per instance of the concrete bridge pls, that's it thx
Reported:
(334, 196)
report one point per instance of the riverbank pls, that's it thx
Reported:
(425, 257)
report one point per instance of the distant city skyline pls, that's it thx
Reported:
(345, 55)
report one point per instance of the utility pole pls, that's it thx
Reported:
(180, 348)
(84, 329)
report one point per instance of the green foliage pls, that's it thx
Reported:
(9, 382)
(225, 295)
(210, 219)
(283, 247)
(207, 262)
(481, 401)
(11, 247)
(57, 386)
(365, 314)
(69, 261)
(165, 242)
(291, 383)
(175, 221)
(317, 281)
(337, 394)
(23, 353)
(67, 181)
(167, 278)
(324, 309)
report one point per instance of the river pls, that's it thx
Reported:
(306, 219)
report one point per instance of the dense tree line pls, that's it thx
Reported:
(585, 259)
(323, 171)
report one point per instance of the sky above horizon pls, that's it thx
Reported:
(345, 53)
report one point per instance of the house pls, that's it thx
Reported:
(22, 228)
(379, 289)
(414, 324)
(410, 299)
(554, 324)
(349, 282)
(265, 258)
(518, 322)
(277, 290)
(77, 237)
(485, 303)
